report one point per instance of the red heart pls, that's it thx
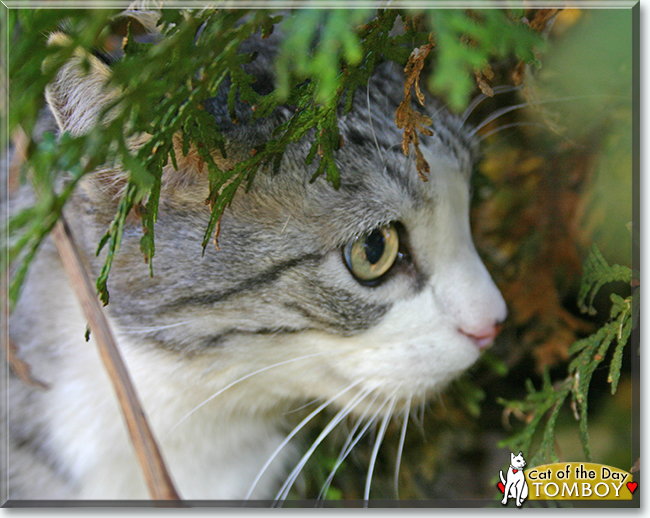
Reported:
(502, 488)
(632, 486)
(514, 470)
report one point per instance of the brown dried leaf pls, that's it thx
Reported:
(541, 18)
(481, 81)
(408, 119)
(413, 69)
(217, 230)
(539, 23)
(554, 350)
(518, 73)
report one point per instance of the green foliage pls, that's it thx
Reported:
(588, 353)
(596, 273)
(326, 56)
(468, 40)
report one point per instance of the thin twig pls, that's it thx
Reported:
(157, 477)
(21, 143)
(19, 367)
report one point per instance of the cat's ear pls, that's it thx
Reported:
(79, 91)
(521, 454)
(79, 95)
(512, 456)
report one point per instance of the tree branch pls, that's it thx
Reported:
(151, 461)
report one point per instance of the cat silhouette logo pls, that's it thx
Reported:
(514, 484)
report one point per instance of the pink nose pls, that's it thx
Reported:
(483, 338)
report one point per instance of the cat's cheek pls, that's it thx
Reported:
(414, 351)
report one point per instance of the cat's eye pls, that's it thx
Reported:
(372, 255)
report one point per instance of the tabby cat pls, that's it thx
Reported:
(367, 299)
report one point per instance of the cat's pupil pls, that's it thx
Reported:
(374, 246)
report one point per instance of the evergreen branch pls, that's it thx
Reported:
(588, 353)
(318, 70)
(596, 273)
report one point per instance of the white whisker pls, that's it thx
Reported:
(482, 97)
(400, 447)
(512, 125)
(514, 107)
(350, 443)
(499, 113)
(285, 224)
(372, 126)
(340, 415)
(269, 367)
(295, 431)
(144, 329)
(315, 400)
(302, 407)
(375, 450)
(324, 365)
(418, 419)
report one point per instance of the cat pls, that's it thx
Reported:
(368, 299)
(514, 483)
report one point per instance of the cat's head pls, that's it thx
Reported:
(372, 294)
(517, 461)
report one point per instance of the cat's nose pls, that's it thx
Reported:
(483, 337)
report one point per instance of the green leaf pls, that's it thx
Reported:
(597, 273)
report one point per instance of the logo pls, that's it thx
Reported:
(564, 481)
(514, 485)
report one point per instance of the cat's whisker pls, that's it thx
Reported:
(243, 378)
(285, 224)
(512, 125)
(310, 371)
(372, 126)
(508, 109)
(482, 97)
(302, 407)
(418, 417)
(351, 442)
(296, 429)
(400, 447)
(340, 415)
(500, 113)
(127, 330)
(378, 441)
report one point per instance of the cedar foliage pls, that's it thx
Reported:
(587, 354)
(164, 84)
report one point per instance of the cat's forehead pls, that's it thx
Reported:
(379, 184)
(375, 189)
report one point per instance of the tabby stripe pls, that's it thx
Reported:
(263, 279)
(341, 323)
(309, 315)
(218, 340)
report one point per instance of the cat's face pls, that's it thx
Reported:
(517, 461)
(370, 295)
